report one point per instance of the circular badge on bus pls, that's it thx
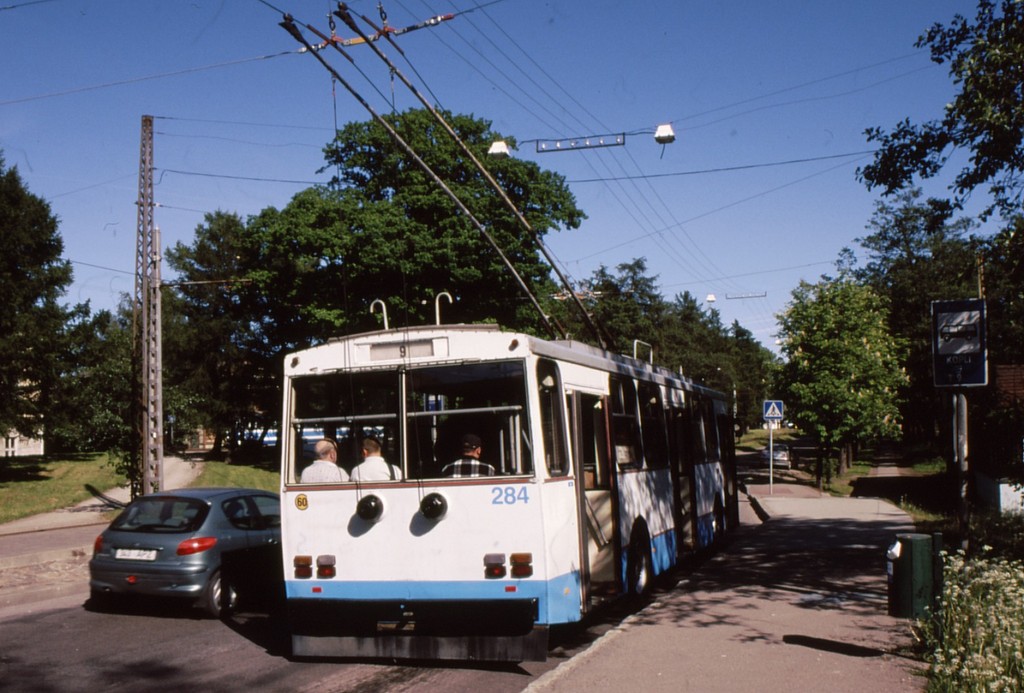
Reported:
(301, 501)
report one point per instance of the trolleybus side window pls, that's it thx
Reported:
(552, 419)
(625, 430)
(593, 440)
(445, 403)
(696, 441)
(652, 425)
(711, 431)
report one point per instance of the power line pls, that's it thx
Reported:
(758, 272)
(100, 267)
(135, 80)
(723, 207)
(726, 169)
(25, 4)
(233, 177)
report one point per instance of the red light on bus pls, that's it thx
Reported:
(494, 566)
(522, 565)
(325, 566)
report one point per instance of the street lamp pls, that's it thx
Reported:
(498, 149)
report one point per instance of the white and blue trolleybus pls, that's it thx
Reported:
(598, 473)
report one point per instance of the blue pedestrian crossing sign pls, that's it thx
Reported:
(773, 410)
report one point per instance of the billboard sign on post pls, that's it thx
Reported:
(959, 351)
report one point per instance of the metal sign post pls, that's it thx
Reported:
(773, 413)
(960, 360)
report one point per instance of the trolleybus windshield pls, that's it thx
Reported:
(422, 430)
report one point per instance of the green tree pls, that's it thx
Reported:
(381, 230)
(842, 367)
(985, 118)
(220, 372)
(681, 333)
(627, 306)
(405, 240)
(998, 446)
(93, 411)
(918, 253)
(753, 367)
(33, 278)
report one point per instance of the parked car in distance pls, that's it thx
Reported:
(206, 546)
(780, 452)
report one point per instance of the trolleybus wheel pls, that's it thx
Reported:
(720, 522)
(639, 566)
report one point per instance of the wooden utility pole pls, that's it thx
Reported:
(148, 456)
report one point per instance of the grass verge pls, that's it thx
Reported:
(234, 475)
(32, 485)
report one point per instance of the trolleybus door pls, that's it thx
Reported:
(596, 506)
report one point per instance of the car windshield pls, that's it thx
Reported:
(167, 515)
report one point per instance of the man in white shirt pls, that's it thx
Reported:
(373, 467)
(325, 467)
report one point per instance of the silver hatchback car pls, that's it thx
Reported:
(207, 545)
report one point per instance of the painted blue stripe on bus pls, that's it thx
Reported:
(705, 531)
(664, 551)
(663, 554)
(558, 598)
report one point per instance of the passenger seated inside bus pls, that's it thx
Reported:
(325, 467)
(469, 464)
(374, 467)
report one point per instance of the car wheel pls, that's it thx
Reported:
(220, 598)
(100, 600)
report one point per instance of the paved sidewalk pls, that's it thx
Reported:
(796, 604)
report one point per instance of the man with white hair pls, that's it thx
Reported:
(325, 467)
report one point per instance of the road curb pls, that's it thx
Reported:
(37, 557)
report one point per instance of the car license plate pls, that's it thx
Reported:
(135, 554)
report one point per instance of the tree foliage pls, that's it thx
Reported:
(406, 241)
(219, 374)
(843, 370)
(382, 231)
(918, 253)
(985, 119)
(93, 411)
(33, 278)
(680, 333)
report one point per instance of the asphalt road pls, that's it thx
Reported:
(795, 604)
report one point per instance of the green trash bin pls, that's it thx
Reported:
(911, 574)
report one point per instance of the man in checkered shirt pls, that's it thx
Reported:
(469, 464)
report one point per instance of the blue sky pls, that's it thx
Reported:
(769, 102)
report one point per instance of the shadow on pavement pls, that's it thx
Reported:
(110, 502)
(843, 648)
(935, 493)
